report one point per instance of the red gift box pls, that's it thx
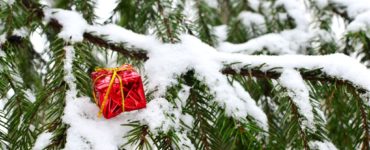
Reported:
(117, 90)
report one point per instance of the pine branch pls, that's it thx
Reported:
(204, 21)
(166, 22)
(140, 55)
(364, 120)
(275, 75)
(302, 132)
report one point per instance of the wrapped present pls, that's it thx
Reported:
(116, 90)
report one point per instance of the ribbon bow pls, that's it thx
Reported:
(114, 70)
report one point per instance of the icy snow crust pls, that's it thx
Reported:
(168, 61)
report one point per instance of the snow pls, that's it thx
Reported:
(334, 65)
(2, 103)
(2, 38)
(207, 70)
(87, 130)
(321, 3)
(255, 4)
(287, 42)
(104, 9)
(220, 32)
(39, 40)
(366, 98)
(250, 106)
(131, 39)
(275, 43)
(42, 141)
(68, 74)
(353, 9)
(189, 12)
(359, 11)
(292, 41)
(297, 10)
(325, 145)
(30, 95)
(184, 142)
(73, 23)
(182, 95)
(250, 19)
(361, 23)
(156, 115)
(212, 3)
(161, 77)
(22, 32)
(299, 94)
(9, 2)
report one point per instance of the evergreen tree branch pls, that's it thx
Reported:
(141, 55)
(166, 22)
(302, 131)
(364, 120)
(275, 75)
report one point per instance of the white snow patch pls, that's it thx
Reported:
(22, 32)
(30, 95)
(220, 32)
(361, 23)
(321, 3)
(325, 145)
(251, 19)
(68, 74)
(212, 3)
(9, 2)
(2, 38)
(155, 115)
(189, 11)
(104, 9)
(293, 41)
(254, 4)
(87, 130)
(184, 142)
(286, 42)
(359, 11)
(42, 141)
(73, 23)
(131, 39)
(297, 10)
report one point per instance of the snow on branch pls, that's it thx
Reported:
(338, 66)
(357, 12)
(191, 53)
(290, 41)
(299, 94)
(325, 145)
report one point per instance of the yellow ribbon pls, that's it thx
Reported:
(114, 70)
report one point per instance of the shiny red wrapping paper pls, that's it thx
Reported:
(108, 85)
